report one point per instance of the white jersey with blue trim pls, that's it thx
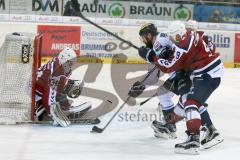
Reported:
(162, 40)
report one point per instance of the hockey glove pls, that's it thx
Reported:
(166, 53)
(74, 88)
(136, 89)
(146, 53)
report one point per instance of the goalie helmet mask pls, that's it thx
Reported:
(177, 31)
(67, 57)
(144, 32)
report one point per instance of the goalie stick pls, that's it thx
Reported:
(96, 129)
(74, 122)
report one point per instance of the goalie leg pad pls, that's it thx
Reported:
(39, 113)
(80, 108)
(58, 116)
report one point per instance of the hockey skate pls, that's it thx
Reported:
(210, 137)
(191, 146)
(165, 131)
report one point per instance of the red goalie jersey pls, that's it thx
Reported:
(51, 80)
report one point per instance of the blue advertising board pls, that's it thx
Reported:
(216, 14)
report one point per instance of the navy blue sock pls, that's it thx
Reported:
(205, 118)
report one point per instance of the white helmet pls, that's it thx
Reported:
(67, 54)
(176, 28)
(66, 58)
(191, 24)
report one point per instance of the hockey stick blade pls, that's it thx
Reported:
(95, 129)
(86, 121)
(144, 102)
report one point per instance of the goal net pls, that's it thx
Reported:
(19, 59)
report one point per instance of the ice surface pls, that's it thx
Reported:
(125, 140)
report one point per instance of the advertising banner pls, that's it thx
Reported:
(237, 48)
(46, 7)
(92, 8)
(56, 38)
(216, 14)
(97, 43)
(160, 11)
(131, 10)
(225, 42)
(20, 6)
(39, 7)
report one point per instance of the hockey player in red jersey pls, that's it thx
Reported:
(192, 26)
(189, 53)
(54, 87)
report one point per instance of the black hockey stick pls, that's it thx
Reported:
(73, 122)
(96, 129)
(105, 30)
(143, 102)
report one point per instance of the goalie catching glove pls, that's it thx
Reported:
(73, 88)
(136, 89)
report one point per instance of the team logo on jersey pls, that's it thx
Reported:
(25, 53)
(116, 10)
(157, 46)
(182, 13)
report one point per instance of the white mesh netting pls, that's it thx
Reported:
(16, 77)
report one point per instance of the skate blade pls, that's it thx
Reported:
(217, 140)
(192, 151)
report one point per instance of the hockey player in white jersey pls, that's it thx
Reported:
(148, 33)
(55, 91)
